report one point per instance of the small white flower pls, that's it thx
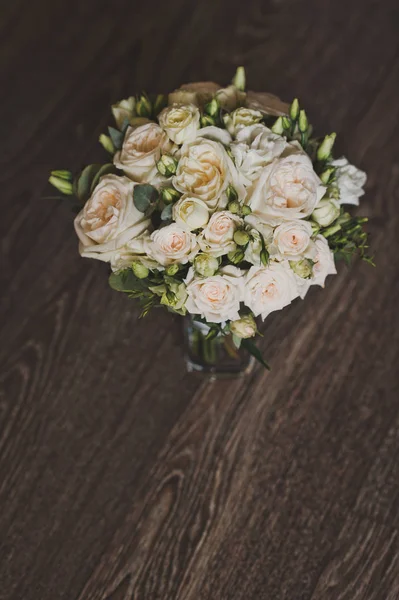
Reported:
(326, 212)
(141, 150)
(241, 117)
(287, 188)
(291, 240)
(172, 245)
(244, 328)
(324, 262)
(269, 288)
(351, 181)
(254, 248)
(109, 219)
(255, 147)
(323, 266)
(217, 237)
(216, 298)
(190, 213)
(123, 110)
(181, 122)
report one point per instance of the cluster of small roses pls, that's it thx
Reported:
(218, 204)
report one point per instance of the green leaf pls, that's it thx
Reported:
(144, 195)
(104, 170)
(126, 281)
(116, 136)
(166, 214)
(83, 183)
(255, 352)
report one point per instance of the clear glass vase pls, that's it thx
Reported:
(217, 357)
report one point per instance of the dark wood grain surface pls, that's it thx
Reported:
(121, 476)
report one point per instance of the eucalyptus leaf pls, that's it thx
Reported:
(116, 136)
(255, 352)
(83, 184)
(124, 126)
(105, 170)
(144, 195)
(166, 214)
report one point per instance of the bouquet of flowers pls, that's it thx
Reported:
(216, 203)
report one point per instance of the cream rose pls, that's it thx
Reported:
(181, 122)
(123, 110)
(190, 213)
(292, 240)
(267, 103)
(217, 237)
(241, 117)
(287, 188)
(172, 245)
(351, 181)
(269, 288)
(198, 93)
(141, 150)
(216, 298)
(109, 219)
(255, 147)
(205, 170)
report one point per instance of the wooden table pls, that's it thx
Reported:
(122, 476)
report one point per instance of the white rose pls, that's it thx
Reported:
(351, 181)
(255, 147)
(181, 122)
(141, 150)
(123, 110)
(109, 219)
(291, 240)
(287, 188)
(269, 288)
(216, 298)
(326, 212)
(241, 117)
(205, 170)
(190, 213)
(217, 237)
(230, 97)
(171, 245)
